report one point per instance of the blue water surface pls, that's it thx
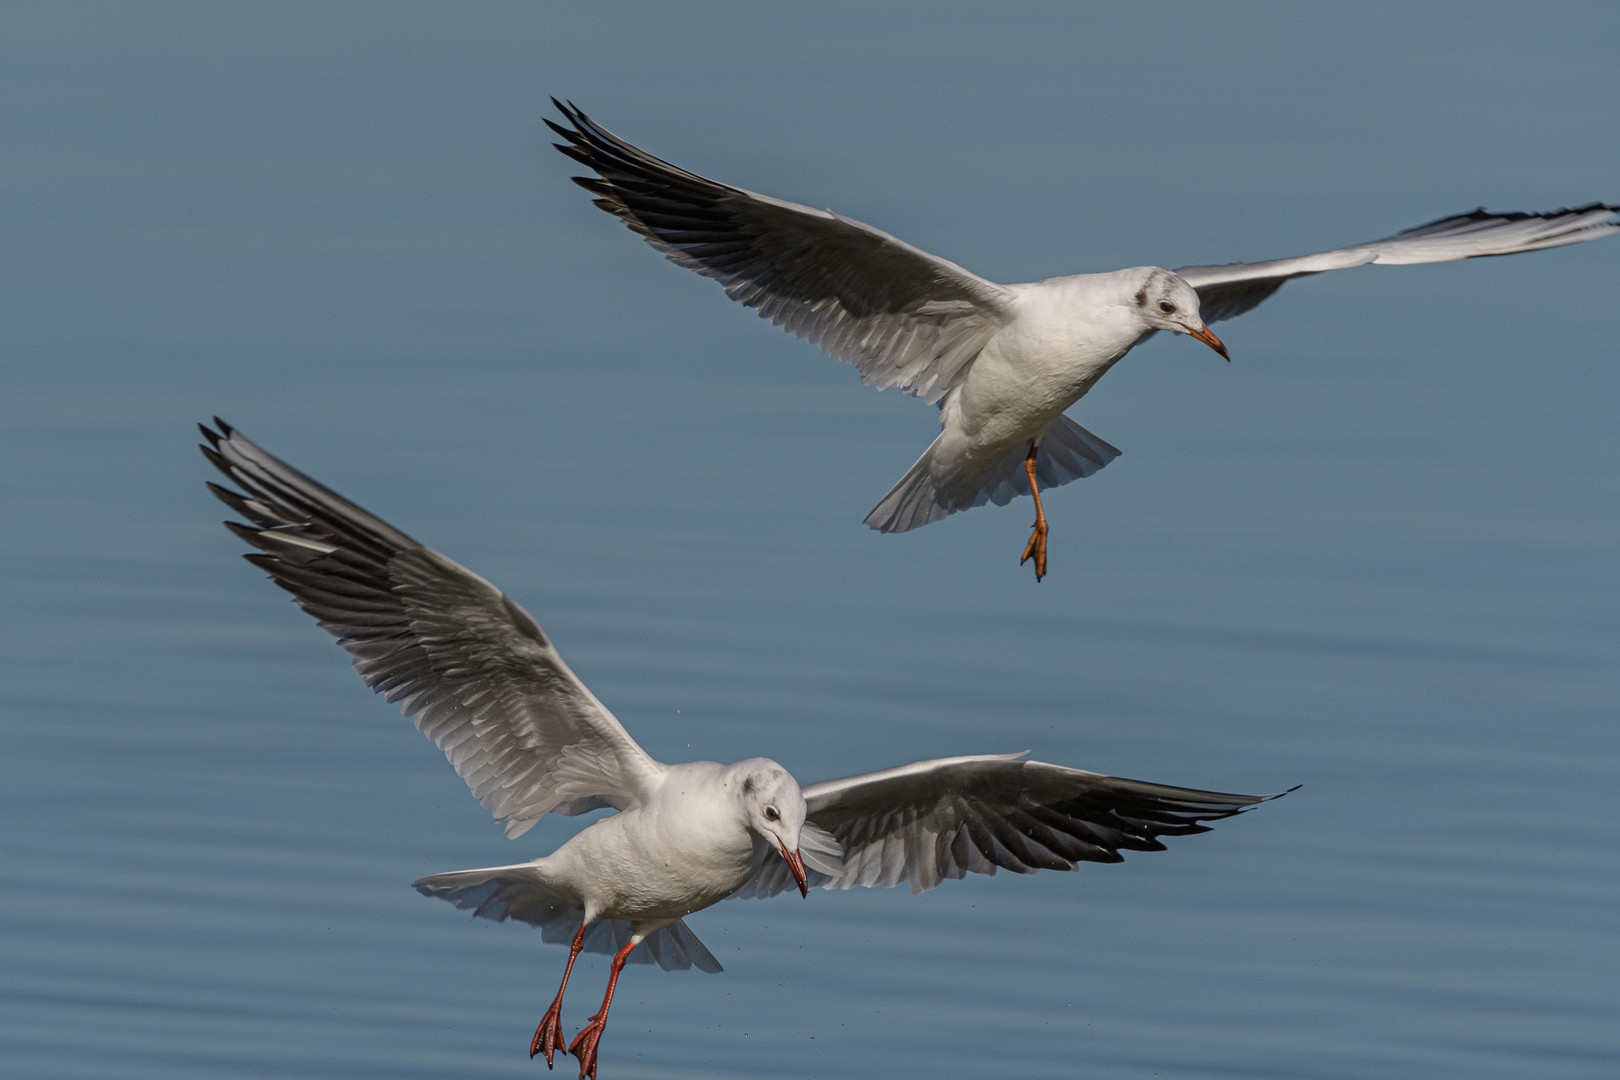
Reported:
(1376, 555)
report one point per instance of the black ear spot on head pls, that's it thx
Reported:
(1141, 297)
(748, 785)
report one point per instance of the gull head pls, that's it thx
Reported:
(1164, 301)
(774, 809)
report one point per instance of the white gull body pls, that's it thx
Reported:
(1063, 336)
(1003, 362)
(479, 677)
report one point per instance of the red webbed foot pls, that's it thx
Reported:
(548, 1037)
(584, 1046)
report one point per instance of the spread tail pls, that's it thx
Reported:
(517, 892)
(1067, 452)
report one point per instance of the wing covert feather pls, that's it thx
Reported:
(900, 316)
(471, 668)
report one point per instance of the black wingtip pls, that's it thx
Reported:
(1278, 794)
(571, 112)
(1260, 799)
(245, 532)
(224, 494)
(215, 458)
(220, 432)
(1480, 213)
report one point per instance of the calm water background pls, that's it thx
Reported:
(1376, 555)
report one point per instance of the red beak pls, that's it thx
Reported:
(1203, 334)
(796, 864)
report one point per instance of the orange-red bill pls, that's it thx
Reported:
(1203, 334)
(796, 864)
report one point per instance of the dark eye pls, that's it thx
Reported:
(1167, 307)
(771, 814)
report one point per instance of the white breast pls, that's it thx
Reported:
(685, 849)
(1068, 332)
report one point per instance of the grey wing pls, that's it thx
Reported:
(901, 316)
(470, 667)
(933, 820)
(1230, 290)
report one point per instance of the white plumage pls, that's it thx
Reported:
(481, 679)
(1002, 361)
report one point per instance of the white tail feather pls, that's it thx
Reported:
(516, 892)
(1067, 452)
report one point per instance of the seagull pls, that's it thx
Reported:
(482, 680)
(1002, 362)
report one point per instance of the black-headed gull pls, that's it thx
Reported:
(1002, 361)
(481, 679)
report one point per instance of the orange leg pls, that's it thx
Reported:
(1037, 539)
(548, 1037)
(584, 1044)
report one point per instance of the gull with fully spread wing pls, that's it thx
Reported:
(1002, 361)
(481, 679)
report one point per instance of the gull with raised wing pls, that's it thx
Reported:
(1002, 362)
(481, 679)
